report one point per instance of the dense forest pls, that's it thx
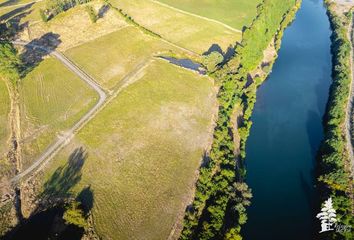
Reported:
(335, 179)
(221, 198)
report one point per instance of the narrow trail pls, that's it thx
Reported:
(349, 110)
(64, 139)
(197, 16)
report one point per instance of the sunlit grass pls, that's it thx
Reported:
(187, 31)
(143, 150)
(52, 100)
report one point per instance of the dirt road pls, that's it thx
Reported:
(64, 139)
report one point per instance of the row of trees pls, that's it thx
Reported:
(334, 162)
(10, 63)
(129, 19)
(221, 197)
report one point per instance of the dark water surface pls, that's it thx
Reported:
(186, 63)
(287, 131)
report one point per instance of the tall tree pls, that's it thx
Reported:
(9, 62)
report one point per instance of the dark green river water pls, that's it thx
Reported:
(287, 131)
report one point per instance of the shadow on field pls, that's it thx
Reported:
(9, 3)
(49, 223)
(36, 50)
(14, 12)
(103, 10)
(10, 23)
(86, 198)
(66, 177)
(228, 54)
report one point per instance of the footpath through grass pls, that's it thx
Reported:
(143, 151)
(235, 13)
(52, 100)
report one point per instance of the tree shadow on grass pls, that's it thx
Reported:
(49, 223)
(65, 177)
(86, 198)
(13, 13)
(228, 54)
(11, 25)
(103, 10)
(8, 3)
(36, 50)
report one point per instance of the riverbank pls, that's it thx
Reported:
(335, 165)
(221, 194)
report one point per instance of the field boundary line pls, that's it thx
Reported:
(197, 16)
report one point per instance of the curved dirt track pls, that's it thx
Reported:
(65, 138)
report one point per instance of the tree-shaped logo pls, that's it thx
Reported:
(327, 216)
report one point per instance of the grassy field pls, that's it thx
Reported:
(74, 26)
(182, 29)
(143, 151)
(52, 100)
(109, 58)
(4, 123)
(25, 13)
(235, 13)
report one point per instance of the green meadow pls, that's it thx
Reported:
(235, 13)
(143, 150)
(52, 100)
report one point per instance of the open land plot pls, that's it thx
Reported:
(143, 150)
(74, 27)
(52, 100)
(4, 125)
(235, 13)
(182, 29)
(112, 57)
(68, 29)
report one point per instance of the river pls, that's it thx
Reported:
(287, 131)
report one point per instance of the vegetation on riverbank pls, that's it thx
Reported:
(334, 160)
(218, 210)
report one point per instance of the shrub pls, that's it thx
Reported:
(75, 215)
(92, 14)
(44, 16)
(212, 60)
